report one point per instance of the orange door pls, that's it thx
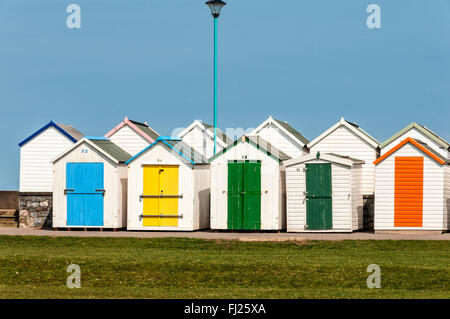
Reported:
(408, 192)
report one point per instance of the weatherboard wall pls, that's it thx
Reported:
(129, 140)
(347, 201)
(344, 142)
(202, 141)
(193, 183)
(281, 140)
(35, 160)
(115, 182)
(435, 191)
(272, 187)
(416, 134)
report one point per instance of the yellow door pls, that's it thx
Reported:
(160, 195)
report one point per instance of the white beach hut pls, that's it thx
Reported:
(90, 185)
(200, 136)
(412, 188)
(37, 151)
(418, 132)
(132, 136)
(282, 136)
(324, 193)
(248, 186)
(168, 188)
(348, 139)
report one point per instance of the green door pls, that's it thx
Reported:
(244, 195)
(318, 197)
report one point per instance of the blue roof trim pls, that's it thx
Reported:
(170, 138)
(97, 138)
(49, 124)
(151, 145)
(140, 153)
(192, 162)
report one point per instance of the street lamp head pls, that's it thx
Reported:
(215, 6)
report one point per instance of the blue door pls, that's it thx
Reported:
(84, 187)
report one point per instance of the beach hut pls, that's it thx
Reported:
(37, 151)
(282, 136)
(90, 185)
(412, 188)
(348, 139)
(132, 136)
(419, 132)
(200, 136)
(248, 186)
(324, 193)
(168, 187)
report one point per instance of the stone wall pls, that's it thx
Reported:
(35, 210)
(368, 212)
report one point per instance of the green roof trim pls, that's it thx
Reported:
(220, 133)
(258, 143)
(427, 132)
(112, 149)
(293, 131)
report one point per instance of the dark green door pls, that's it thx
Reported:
(244, 195)
(318, 197)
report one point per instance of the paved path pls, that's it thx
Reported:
(223, 235)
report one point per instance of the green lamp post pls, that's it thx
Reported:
(215, 6)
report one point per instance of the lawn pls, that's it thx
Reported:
(35, 267)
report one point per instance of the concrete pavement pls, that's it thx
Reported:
(283, 236)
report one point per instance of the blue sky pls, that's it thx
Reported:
(308, 62)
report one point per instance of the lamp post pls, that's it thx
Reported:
(215, 6)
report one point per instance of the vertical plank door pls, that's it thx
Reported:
(84, 184)
(235, 198)
(252, 196)
(244, 195)
(408, 206)
(318, 197)
(160, 195)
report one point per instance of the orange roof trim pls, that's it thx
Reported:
(413, 142)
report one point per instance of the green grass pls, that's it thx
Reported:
(35, 267)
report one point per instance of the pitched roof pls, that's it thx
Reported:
(220, 133)
(182, 149)
(419, 145)
(69, 131)
(293, 131)
(222, 138)
(141, 128)
(104, 146)
(330, 157)
(424, 130)
(352, 127)
(112, 149)
(257, 142)
(284, 126)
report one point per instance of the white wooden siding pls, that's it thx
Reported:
(447, 197)
(344, 142)
(433, 191)
(416, 134)
(36, 169)
(201, 141)
(129, 140)
(192, 184)
(272, 217)
(357, 197)
(281, 140)
(114, 175)
(346, 197)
